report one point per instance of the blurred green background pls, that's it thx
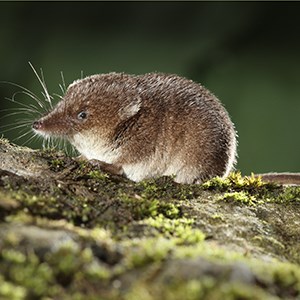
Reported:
(246, 53)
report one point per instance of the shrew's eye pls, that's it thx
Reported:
(82, 115)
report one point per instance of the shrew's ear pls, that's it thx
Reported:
(130, 109)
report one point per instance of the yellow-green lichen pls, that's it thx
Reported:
(180, 229)
(251, 190)
(235, 181)
(239, 197)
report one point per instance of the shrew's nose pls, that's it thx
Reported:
(37, 125)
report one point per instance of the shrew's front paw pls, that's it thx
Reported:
(108, 168)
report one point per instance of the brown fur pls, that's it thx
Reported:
(150, 125)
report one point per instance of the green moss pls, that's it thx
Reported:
(217, 183)
(270, 285)
(180, 229)
(289, 195)
(145, 251)
(143, 207)
(13, 256)
(239, 197)
(95, 272)
(67, 260)
(38, 204)
(236, 182)
(165, 223)
(96, 174)
(78, 209)
(251, 190)
(166, 189)
(57, 164)
(189, 290)
(207, 288)
(232, 291)
(28, 276)
(68, 268)
(11, 291)
(27, 271)
(277, 278)
(140, 207)
(217, 217)
(284, 276)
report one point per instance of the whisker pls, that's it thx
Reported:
(55, 143)
(34, 96)
(33, 107)
(13, 100)
(46, 142)
(50, 98)
(18, 121)
(65, 146)
(20, 136)
(16, 113)
(59, 96)
(25, 128)
(29, 139)
(19, 109)
(15, 127)
(69, 148)
(39, 102)
(51, 143)
(15, 123)
(63, 86)
(47, 96)
(34, 135)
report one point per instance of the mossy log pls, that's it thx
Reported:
(70, 231)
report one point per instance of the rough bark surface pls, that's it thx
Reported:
(70, 231)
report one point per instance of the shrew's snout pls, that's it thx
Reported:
(37, 125)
